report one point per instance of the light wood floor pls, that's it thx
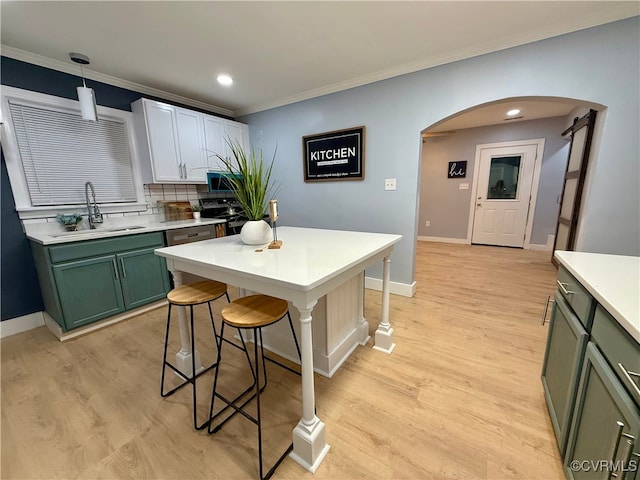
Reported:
(460, 397)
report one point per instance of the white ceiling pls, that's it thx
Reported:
(280, 52)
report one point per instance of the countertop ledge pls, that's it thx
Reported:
(58, 236)
(613, 280)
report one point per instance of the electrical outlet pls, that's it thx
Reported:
(427, 223)
(389, 183)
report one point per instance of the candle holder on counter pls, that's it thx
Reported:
(273, 214)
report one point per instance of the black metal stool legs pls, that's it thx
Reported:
(192, 378)
(230, 404)
(256, 374)
(258, 421)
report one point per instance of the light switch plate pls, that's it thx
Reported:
(464, 186)
(389, 183)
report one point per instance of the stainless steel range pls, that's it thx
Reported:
(225, 208)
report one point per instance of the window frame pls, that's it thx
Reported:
(15, 168)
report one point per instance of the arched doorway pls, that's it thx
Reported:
(447, 205)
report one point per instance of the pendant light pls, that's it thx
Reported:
(86, 97)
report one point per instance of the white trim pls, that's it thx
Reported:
(72, 69)
(17, 325)
(403, 289)
(537, 246)
(444, 240)
(14, 163)
(539, 142)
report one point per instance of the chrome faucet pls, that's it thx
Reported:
(94, 212)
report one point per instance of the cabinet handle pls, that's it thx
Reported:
(115, 268)
(563, 287)
(184, 171)
(124, 271)
(627, 376)
(616, 445)
(627, 458)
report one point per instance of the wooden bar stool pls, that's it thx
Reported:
(252, 312)
(189, 296)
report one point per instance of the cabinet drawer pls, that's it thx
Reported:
(619, 348)
(577, 297)
(105, 246)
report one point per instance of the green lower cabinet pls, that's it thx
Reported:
(89, 290)
(566, 343)
(604, 439)
(86, 281)
(143, 277)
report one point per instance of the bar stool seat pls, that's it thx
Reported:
(188, 296)
(252, 312)
(197, 293)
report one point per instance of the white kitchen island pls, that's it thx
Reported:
(311, 264)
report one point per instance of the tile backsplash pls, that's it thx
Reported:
(152, 194)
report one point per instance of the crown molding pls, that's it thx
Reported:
(620, 12)
(72, 69)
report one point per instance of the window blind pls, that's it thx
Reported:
(60, 152)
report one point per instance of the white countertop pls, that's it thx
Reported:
(308, 256)
(50, 234)
(613, 280)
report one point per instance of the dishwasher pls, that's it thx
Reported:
(178, 236)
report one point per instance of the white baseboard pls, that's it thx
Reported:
(21, 324)
(535, 246)
(404, 289)
(444, 240)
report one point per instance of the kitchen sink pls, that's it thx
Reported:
(90, 233)
(124, 229)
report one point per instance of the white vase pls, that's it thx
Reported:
(256, 232)
(196, 215)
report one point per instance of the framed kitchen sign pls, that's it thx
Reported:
(337, 155)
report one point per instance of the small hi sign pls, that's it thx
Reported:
(457, 169)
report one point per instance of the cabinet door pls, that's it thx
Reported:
(566, 343)
(606, 425)
(163, 141)
(144, 277)
(193, 161)
(89, 290)
(214, 142)
(238, 132)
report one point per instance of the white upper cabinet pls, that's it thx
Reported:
(156, 135)
(190, 141)
(237, 132)
(217, 131)
(177, 145)
(214, 141)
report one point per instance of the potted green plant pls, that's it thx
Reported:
(249, 176)
(195, 210)
(70, 220)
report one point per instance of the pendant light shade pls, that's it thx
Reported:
(86, 96)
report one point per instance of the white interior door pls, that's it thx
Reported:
(503, 195)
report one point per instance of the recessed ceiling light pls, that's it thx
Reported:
(513, 112)
(224, 79)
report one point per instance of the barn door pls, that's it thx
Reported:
(581, 133)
